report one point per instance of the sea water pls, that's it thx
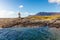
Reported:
(41, 33)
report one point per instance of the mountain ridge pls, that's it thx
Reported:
(47, 13)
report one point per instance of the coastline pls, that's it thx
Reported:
(11, 22)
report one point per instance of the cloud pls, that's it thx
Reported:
(21, 6)
(13, 14)
(54, 1)
(25, 14)
(7, 14)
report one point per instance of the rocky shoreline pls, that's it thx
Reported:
(54, 23)
(28, 23)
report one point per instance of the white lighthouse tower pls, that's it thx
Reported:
(19, 15)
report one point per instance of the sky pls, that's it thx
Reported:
(11, 8)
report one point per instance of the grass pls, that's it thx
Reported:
(44, 17)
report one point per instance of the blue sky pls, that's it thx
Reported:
(10, 8)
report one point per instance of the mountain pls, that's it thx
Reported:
(47, 13)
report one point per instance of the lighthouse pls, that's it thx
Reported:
(19, 15)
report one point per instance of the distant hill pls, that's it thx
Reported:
(47, 13)
(45, 16)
